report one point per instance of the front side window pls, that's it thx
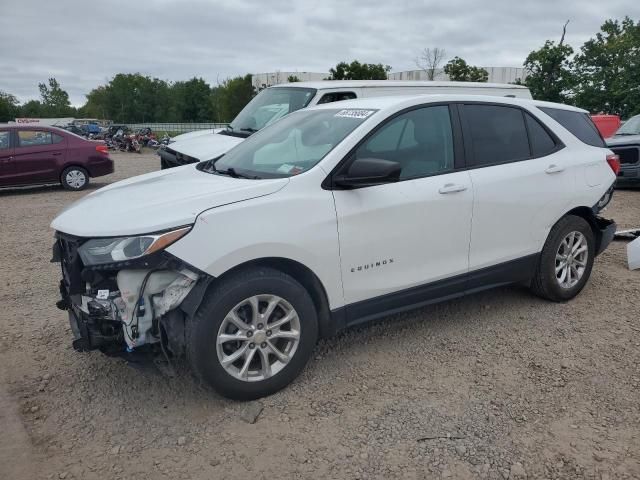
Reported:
(4, 139)
(268, 106)
(498, 134)
(420, 140)
(289, 147)
(336, 97)
(578, 123)
(33, 138)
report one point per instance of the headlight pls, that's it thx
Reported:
(108, 250)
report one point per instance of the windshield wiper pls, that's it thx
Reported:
(233, 173)
(624, 133)
(250, 130)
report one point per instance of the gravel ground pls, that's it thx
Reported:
(497, 385)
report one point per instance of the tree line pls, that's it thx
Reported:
(604, 76)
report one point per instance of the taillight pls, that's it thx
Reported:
(102, 149)
(614, 162)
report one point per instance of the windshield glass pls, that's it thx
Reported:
(270, 105)
(630, 127)
(289, 147)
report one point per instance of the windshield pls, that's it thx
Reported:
(270, 105)
(630, 127)
(289, 147)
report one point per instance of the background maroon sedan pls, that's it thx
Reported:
(35, 155)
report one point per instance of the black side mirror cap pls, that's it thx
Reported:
(367, 172)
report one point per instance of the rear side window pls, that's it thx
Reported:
(578, 123)
(498, 134)
(541, 142)
(4, 140)
(33, 138)
(336, 97)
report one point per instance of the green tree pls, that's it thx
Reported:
(293, 79)
(608, 69)
(9, 108)
(191, 100)
(458, 70)
(55, 101)
(549, 71)
(359, 71)
(33, 108)
(232, 96)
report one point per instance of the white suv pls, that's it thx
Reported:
(332, 216)
(273, 103)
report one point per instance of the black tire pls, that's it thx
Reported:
(545, 283)
(221, 299)
(68, 182)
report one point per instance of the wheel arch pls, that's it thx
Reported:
(590, 217)
(303, 275)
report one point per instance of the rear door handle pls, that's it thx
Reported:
(553, 168)
(57, 153)
(452, 188)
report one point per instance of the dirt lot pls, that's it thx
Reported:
(497, 385)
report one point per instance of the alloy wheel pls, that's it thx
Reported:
(571, 259)
(258, 337)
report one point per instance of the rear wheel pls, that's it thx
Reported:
(253, 334)
(566, 260)
(74, 178)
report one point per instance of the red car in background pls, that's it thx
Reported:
(606, 124)
(37, 155)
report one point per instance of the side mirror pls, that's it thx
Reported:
(367, 172)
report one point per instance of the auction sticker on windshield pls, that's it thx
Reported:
(354, 113)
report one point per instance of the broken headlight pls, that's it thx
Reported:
(108, 250)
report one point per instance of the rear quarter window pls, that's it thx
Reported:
(578, 123)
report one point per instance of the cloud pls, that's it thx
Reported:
(83, 44)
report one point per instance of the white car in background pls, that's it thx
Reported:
(277, 101)
(336, 215)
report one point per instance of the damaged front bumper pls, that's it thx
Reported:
(116, 310)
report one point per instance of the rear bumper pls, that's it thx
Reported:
(606, 231)
(100, 166)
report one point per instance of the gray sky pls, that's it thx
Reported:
(84, 43)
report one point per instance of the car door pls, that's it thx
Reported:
(6, 156)
(38, 156)
(521, 181)
(402, 238)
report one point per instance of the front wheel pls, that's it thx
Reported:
(566, 260)
(253, 334)
(74, 178)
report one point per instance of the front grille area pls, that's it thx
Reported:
(628, 155)
(70, 263)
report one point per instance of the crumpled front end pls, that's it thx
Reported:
(118, 308)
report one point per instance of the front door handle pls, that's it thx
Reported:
(452, 188)
(56, 154)
(553, 168)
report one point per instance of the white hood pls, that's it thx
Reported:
(195, 133)
(157, 201)
(206, 147)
